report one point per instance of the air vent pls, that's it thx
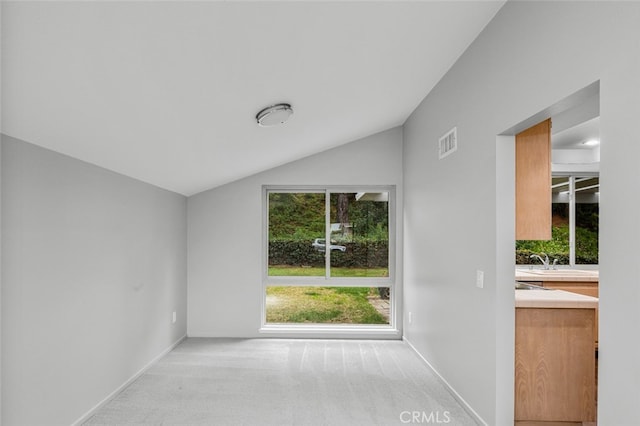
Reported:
(448, 143)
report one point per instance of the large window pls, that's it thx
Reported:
(328, 256)
(575, 217)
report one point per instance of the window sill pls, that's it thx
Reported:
(331, 331)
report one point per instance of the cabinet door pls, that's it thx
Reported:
(533, 182)
(555, 369)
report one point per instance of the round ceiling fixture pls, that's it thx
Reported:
(274, 115)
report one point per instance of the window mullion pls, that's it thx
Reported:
(572, 221)
(327, 235)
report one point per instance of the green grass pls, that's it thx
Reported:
(337, 305)
(313, 271)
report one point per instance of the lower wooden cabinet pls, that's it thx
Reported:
(555, 365)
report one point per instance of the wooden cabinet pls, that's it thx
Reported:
(555, 365)
(588, 288)
(533, 183)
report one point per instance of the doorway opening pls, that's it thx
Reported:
(574, 207)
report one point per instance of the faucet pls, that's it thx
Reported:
(545, 261)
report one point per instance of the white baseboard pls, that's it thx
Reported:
(310, 332)
(453, 392)
(109, 397)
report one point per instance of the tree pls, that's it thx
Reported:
(342, 211)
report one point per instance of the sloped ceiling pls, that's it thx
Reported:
(167, 92)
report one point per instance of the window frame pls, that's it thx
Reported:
(570, 193)
(327, 280)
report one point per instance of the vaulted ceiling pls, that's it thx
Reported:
(167, 92)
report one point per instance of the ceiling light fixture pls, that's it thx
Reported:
(591, 142)
(274, 115)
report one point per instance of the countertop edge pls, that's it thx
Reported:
(553, 299)
(556, 276)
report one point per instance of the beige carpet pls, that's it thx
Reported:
(285, 382)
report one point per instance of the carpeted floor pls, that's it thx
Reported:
(285, 382)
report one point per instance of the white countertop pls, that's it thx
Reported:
(574, 275)
(553, 299)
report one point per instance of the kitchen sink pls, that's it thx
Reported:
(528, 286)
(560, 272)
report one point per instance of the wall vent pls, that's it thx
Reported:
(448, 143)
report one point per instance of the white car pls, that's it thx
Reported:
(320, 245)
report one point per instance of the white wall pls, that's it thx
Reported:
(0, 238)
(532, 55)
(93, 265)
(619, 346)
(226, 235)
(0, 283)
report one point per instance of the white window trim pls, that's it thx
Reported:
(386, 331)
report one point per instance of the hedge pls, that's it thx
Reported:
(363, 254)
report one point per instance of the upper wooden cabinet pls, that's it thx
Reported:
(533, 182)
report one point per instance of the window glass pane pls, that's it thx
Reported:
(359, 234)
(296, 234)
(558, 247)
(587, 214)
(326, 305)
